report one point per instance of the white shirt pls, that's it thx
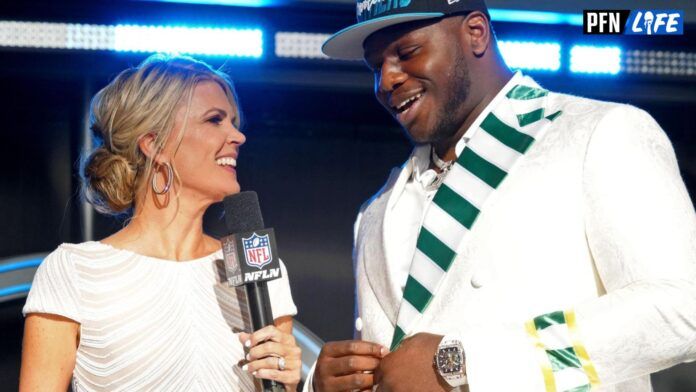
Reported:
(407, 214)
(150, 324)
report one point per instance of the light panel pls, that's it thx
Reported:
(238, 3)
(595, 59)
(56, 35)
(540, 17)
(660, 62)
(540, 56)
(193, 40)
(300, 45)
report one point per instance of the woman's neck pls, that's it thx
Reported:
(171, 231)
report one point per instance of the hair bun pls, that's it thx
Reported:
(109, 180)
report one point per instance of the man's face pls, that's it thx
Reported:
(421, 77)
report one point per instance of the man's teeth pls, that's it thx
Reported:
(404, 103)
(227, 162)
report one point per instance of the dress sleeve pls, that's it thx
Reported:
(281, 297)
(55, 287)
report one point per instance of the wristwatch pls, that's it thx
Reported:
(450, 361)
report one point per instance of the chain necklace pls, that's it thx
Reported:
(444, 167)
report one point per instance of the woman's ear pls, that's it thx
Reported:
(148, 146)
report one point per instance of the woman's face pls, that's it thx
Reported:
(206, 159)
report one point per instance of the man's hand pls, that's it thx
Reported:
(347, 366)
(410, 367)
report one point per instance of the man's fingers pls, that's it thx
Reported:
(353, 347)
(352, 382)
(352, 364)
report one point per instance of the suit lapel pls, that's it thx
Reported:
(375, 256)
(514, 120)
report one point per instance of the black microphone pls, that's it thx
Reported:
(251, 259)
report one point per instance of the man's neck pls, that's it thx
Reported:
(445, 148)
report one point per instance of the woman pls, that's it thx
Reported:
(147, 308)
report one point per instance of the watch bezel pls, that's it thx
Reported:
(456, 378)
(440, 366)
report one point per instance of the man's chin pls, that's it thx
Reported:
(418, 136)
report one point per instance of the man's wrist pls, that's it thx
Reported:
(450, 361)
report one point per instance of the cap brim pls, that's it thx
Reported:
(347, 44)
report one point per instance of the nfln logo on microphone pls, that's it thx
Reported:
(633, 22)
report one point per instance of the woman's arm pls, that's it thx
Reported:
(48, 352)
(284, 324)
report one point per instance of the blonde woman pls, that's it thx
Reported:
(146, 309)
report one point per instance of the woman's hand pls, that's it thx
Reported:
(273, 355)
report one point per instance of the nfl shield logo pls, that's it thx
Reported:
(257, 250)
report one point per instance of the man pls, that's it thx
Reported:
(533, 241)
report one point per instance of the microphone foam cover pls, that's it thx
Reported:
(242, 212)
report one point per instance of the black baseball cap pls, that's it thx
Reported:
(374, 15)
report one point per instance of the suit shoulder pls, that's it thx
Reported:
(581, 117)
(576, 106)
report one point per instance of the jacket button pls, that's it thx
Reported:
(358, 324)
(479, 279)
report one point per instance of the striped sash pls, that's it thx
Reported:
(502, 138)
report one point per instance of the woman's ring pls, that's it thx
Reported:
(281, 363)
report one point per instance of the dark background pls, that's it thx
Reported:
(318, 144)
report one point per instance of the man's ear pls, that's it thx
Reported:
(148, 146)
(477, 31)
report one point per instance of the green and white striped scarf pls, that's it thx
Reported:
(502, 138)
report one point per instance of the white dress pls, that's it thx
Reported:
(148, 324)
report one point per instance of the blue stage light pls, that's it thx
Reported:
(240, 3)
(541, 56)
(542, 17)
(15, 289)
(595, 59)
(20, 264)
(191, 40)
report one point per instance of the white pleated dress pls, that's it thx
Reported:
(148, 324)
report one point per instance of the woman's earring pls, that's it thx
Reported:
(170, 177)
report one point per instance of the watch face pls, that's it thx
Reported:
(449, 360)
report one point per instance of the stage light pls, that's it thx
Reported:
(660, 62)
(14, 284)
(541, 17)
(90, 37)
(595, 59)
(543, 56)
(33, 262)
(239, 3)
(15, 289)
(300, 45)
(191, 40)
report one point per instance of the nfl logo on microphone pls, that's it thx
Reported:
(257, 250)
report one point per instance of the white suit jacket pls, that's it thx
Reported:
(595, 221)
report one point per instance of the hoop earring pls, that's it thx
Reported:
(170, 176)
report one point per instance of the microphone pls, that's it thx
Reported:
(251, 259)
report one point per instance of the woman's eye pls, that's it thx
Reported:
(215, 119)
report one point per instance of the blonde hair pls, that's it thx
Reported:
(138, 101)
